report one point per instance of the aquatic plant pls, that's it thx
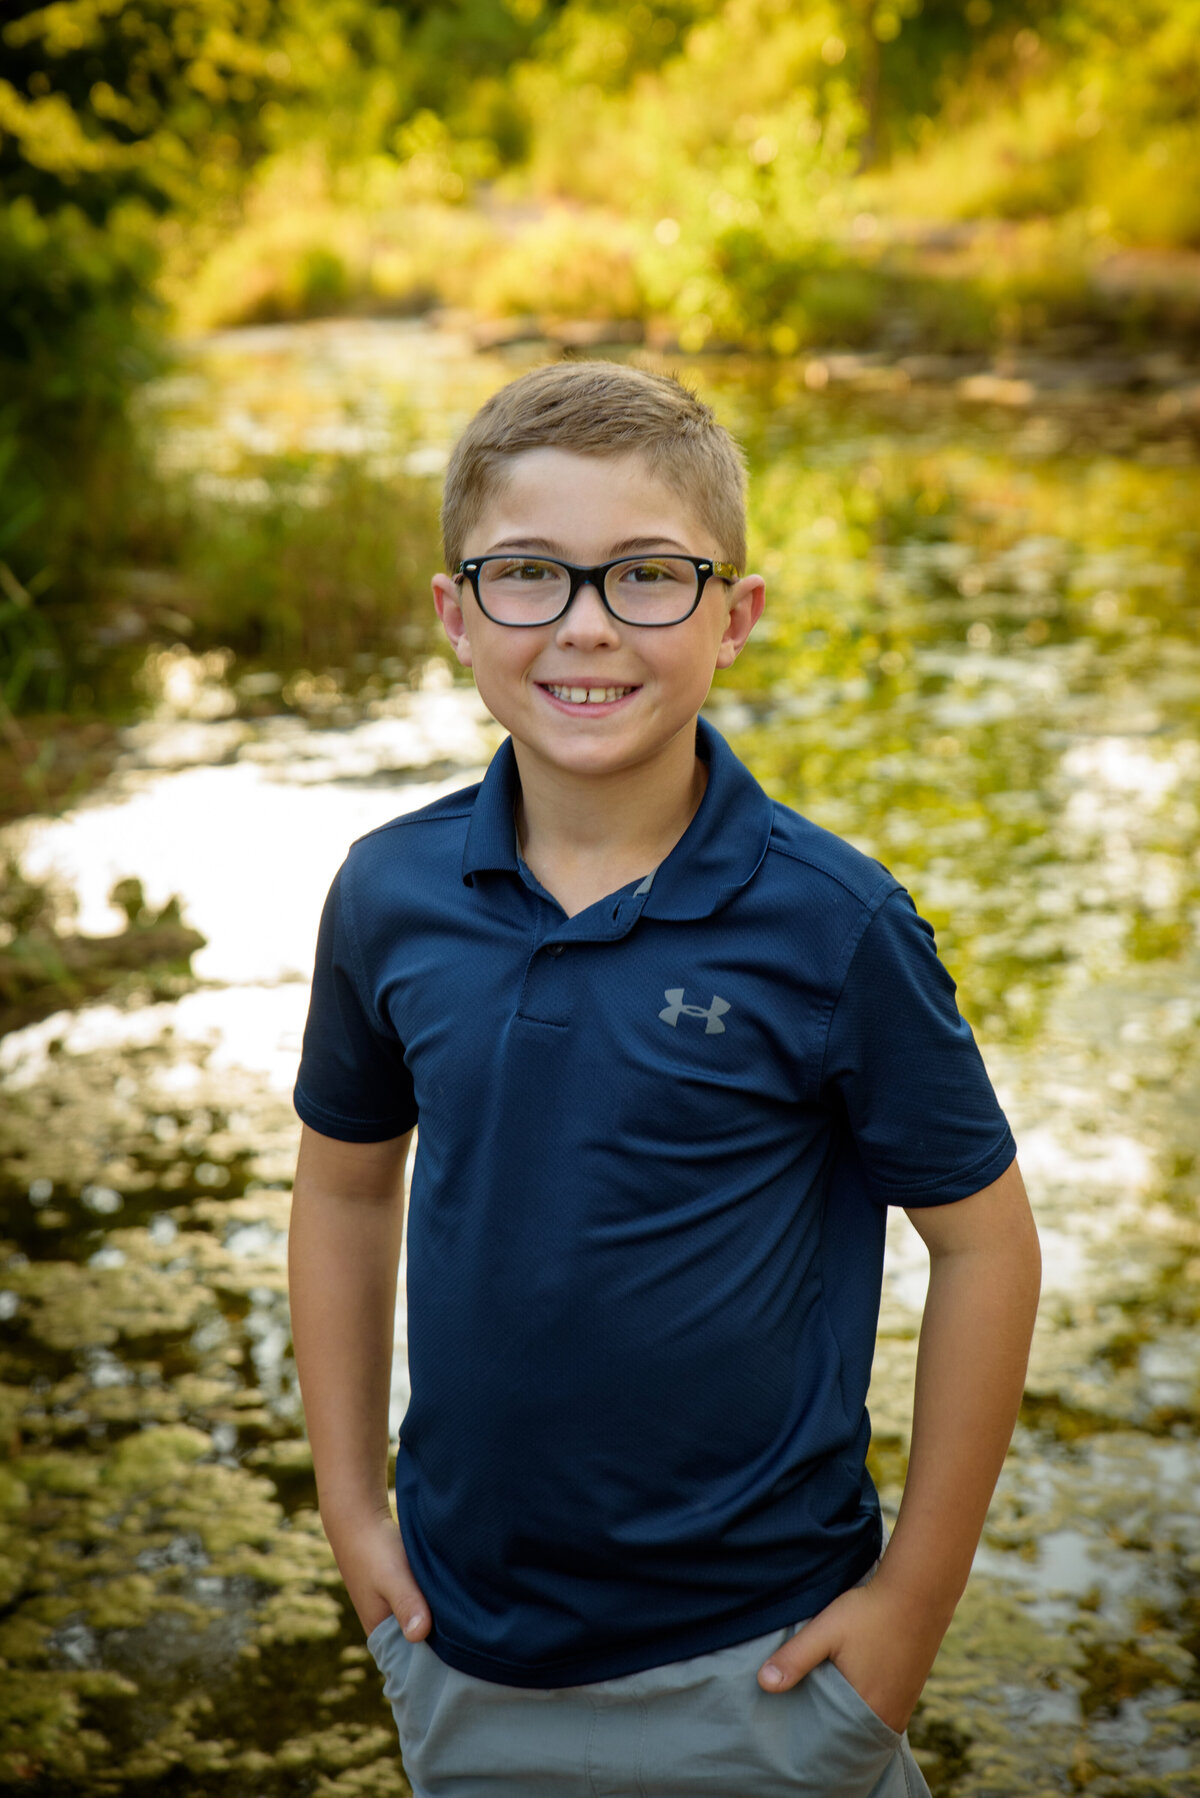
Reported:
(44, 967)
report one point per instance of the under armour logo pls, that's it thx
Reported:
(712, 1014)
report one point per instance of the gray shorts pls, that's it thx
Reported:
(700, 1726)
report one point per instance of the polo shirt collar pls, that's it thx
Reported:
(724, 844)
(716, 856)
(492, 833)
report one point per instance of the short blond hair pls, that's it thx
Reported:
(600, 409)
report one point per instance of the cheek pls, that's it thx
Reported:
(496, 679)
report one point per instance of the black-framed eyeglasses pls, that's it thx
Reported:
(647, 590)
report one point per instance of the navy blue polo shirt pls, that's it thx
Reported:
(645, 1240)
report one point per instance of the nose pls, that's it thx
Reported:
(587, 620)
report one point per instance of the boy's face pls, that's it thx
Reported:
(587, 510)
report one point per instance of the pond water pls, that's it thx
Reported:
(981, 664)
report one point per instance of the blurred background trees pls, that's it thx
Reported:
(765, 174)
(114, 119)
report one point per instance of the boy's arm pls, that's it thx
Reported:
(343, 1255)
(985, 1271)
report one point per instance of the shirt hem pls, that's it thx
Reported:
(962, 1185)
(782, 1611)
(344, 1129)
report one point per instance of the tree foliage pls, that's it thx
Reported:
(112, 112)
(104, 102)
(719, 165)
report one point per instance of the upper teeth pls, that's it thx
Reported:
(588, 695)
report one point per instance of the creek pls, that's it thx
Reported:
(980, 663)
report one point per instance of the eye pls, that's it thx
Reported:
(658, 573)
(648, 574)
(521, 569)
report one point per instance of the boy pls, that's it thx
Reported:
(673, 1050)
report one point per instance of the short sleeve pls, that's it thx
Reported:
(925, 1121)
(353, 1082)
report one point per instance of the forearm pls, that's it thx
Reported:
(343, 1254)
(971, 1364)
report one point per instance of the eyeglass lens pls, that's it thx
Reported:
(644, 590)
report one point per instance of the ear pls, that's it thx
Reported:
(746, 600)
(447, 597)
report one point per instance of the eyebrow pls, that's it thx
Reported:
(630, 546)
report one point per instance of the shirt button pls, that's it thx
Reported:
(555, 948)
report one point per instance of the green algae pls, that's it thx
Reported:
(85, 1307)
(171, 1619)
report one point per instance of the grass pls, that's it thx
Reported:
(299, 560)
(317, 560)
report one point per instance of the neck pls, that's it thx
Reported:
(584, 838)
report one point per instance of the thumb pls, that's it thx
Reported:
(407, 1600)
(798, 1656)
(412, 1614)
(410, 1610)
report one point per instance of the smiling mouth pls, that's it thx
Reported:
(586, 695)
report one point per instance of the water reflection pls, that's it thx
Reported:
(982, 666)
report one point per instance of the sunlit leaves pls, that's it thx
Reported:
(109, 100)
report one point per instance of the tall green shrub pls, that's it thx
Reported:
(110, 115)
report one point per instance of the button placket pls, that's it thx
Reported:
(544, 988)
(544, 994)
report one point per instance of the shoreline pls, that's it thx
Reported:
(1014, 377)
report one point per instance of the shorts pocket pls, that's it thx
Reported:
(391, 1651)
(839, 1691)
(840, 1748)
